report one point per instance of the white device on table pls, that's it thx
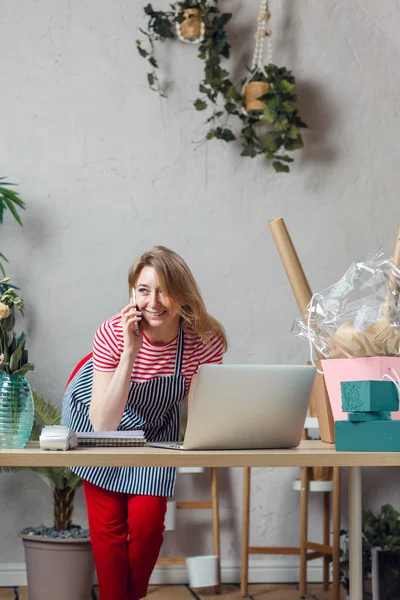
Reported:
(57, 437)
(238, 407)
(137, 331)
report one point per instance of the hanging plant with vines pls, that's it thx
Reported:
(265, 104)
(271, 122)
(187, 21)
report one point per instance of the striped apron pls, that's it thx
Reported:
(152, 406)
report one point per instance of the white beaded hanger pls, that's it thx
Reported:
(263, 31)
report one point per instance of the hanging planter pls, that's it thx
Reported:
(254, 92)
(187, 21)
(257, 85)
(281, 116)
(190, 28)
(270, 99)
(266, 105)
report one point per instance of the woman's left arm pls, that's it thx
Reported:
(212, 353)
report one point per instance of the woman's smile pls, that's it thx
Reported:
(156, 314)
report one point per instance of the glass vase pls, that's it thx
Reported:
(16, 410)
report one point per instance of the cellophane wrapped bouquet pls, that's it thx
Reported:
(359, 315)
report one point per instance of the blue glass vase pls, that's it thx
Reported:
(16, 410)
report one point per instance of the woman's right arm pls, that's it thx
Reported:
(110, 389)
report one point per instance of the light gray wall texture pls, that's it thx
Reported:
(107, 169)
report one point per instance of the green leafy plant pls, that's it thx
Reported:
(13, 354)
(381, 530)
(274, 133)
(9, 200)
(160, 27)
(6, 284)
(217, 89)
(281, 114)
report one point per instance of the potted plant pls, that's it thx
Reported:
(270, 120)
(266, 106)
(192, 21)
(381, 534)
(277, 108)
(254, 91)
(59, 558)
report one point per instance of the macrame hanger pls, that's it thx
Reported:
(263, 31)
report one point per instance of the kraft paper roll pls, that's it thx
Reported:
(385, 312)
(302, 293)
(291, 263)
(396, 250)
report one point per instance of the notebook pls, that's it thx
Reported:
(111, 438)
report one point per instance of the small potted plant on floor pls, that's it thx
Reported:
(59, 558)
(381, 543)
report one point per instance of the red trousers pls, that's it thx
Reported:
(126, 532)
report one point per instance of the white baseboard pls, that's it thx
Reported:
(260, 571)
(12, 574)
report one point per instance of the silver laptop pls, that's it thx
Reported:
(247, 406)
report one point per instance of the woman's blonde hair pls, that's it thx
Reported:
(176, 281)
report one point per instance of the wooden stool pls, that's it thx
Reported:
(214, 505)
(318, 550)
(326, 549)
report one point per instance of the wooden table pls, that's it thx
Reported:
(310, 453)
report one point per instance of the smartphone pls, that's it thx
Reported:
(137, 330)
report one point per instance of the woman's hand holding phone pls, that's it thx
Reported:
(133, 337)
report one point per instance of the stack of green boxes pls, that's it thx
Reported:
(369, 426)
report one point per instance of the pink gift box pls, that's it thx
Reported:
(356, 369)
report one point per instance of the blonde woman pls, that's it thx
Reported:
(143, 364)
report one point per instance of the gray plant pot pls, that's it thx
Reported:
(58, 568)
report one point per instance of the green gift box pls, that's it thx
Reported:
(369, 396)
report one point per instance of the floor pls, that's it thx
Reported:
(229, 592)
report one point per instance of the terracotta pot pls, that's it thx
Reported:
(61, 568)
(191, 27)
(253, 91)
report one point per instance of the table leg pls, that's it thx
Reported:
(355, 534)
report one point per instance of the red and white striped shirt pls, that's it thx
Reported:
(154, 360)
